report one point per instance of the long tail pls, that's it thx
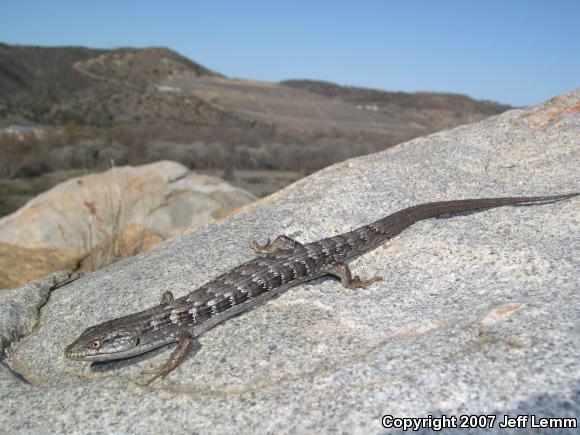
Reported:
(369, 235)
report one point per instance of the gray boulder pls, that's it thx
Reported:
(478, 314)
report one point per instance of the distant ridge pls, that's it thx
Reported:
(87, 86)
(399, 100)
(57, 71)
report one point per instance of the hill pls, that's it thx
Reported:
(56, 85)
(58, 72)
(83, 86)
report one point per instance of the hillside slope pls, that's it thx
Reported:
(58, 72)
(429, 109)
(56, 85)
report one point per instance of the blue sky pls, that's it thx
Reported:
(516, 52)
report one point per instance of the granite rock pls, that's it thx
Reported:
(19, 308)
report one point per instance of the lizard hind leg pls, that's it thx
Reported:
(281, 243)
(342, 271)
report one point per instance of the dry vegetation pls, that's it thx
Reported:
(109, 237)
(260, 161)
(73, 147)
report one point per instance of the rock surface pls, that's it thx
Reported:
(99, 218)
(19, 307)
(478, 314)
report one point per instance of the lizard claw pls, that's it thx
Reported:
(260, 248)
(158, 371)
(156, 375)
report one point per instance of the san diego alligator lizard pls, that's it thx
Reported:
(285, 263)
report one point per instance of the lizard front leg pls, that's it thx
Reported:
(177, 356)
(342, 271)
(282, 243)
(166, 297)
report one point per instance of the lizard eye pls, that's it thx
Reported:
(96, 344)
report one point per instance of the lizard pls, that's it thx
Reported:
(283, 263)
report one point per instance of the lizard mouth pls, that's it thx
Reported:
(74, 353)
(83, 356)
(78, 356)
(78, 353)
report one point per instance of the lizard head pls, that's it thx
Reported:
(101, 343)
(115, 339)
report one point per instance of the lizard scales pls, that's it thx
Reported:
(285, 263)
